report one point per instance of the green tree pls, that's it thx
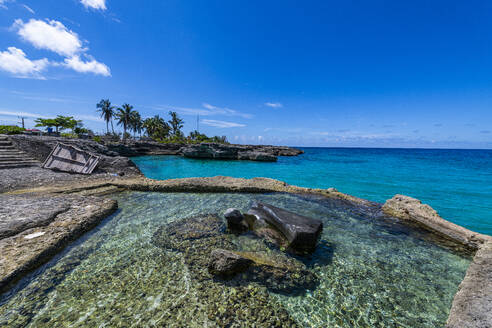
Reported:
(156, 127)
(124, 115)
(60, 123)
(176, 124)
(136, 123)
(107, 112)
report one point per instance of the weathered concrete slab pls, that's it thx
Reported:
(38, 233)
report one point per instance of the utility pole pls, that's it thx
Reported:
(22, 122)
(198, 123)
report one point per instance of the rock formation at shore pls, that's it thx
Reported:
(114, 156)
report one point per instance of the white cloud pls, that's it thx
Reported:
(21, 114)
(29, 9)
(51, 35)
(2, 4)
(94, 4)
(222, 124)
(207, 110)
(225, 111)
(91, 66)
(274, 104)
(88, 118)
(14, 61)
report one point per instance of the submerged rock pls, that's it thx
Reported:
(239, 298)
(297, 233)
(223, 262)
(235, 221)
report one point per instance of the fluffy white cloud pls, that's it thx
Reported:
(95, 4)
(14, 61)
(51, 35)
(222, 124)
(91, 66)
(274, 105)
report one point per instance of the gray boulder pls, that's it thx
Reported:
(297, 233)
(226, 263)
(235, 221)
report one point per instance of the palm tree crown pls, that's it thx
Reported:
(124, 116)
(107, 112)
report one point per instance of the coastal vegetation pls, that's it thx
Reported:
(155, 128)
(11, 129)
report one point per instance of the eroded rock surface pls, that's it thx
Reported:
(411, 209)
(301, 233)
(472, 304)
(36, 228)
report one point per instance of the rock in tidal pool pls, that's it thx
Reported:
(226, 263)
(299, 234)
(235, 221)
(241, 300)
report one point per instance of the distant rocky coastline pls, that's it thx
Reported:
(114, 156)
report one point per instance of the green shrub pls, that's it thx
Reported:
(97, 139)
(11, 129)
(69, 135)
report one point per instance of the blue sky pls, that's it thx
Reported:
(317, 73)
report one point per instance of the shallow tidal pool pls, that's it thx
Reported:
(372, 272)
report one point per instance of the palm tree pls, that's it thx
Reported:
(124, 115)
(136, 123)
(176, 124)
(156, 127)
(107, 112)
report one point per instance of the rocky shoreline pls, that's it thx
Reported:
(114, 156)
(472, 305)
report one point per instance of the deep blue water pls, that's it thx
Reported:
(457, 183)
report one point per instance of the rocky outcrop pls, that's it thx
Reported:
(472, 304)
(239, 152)
(36, 228)
(114, 154)
(411, 209)
(227, 263)
(224, 152)
(297, 233)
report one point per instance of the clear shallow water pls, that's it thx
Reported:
(457, 183)
(373, 272)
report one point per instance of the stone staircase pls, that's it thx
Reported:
(11, 157)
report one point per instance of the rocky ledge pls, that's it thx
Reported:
(34, 228)
(472, 304)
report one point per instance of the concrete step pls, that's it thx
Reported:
(19, 162)
(17, 159)
(11, 153)
(3, 138)
(5, 143)
(18, 165)
(7, 148)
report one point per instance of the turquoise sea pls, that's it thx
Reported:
(457, 183)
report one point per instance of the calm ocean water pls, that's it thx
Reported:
(457, 183)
